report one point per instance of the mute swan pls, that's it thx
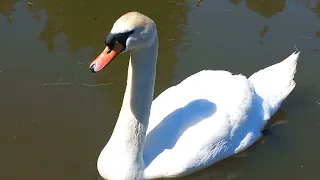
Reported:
(209, 116)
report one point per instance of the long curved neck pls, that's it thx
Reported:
(134, 114)
(127, 140)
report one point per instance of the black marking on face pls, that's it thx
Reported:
(120, 37)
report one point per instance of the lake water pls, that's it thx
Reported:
(56, 115)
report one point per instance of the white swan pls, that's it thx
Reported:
(209, 116)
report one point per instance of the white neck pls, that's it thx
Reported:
(122, 157)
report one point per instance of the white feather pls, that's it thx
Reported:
(209, 116)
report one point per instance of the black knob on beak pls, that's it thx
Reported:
(92, 68)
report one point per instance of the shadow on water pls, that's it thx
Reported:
(269, 8)
(166, 134)
(266, 8)
(7, 7)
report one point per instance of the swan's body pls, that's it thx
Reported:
(209, 116)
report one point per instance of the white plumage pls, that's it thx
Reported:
(209, 116)
(221, 114)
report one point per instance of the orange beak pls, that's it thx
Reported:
(105, 57)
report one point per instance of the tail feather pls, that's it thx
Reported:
(274, 83)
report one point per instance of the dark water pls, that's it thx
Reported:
(54, 122)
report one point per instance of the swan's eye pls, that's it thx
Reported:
(120, 37)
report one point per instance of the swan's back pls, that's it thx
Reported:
(205, 118)
(212, 115)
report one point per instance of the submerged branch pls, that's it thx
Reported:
(307, 37)
(66, 83)
(95, 85)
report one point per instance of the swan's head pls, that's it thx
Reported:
(130, 32)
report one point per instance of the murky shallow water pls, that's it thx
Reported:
(54, 123)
